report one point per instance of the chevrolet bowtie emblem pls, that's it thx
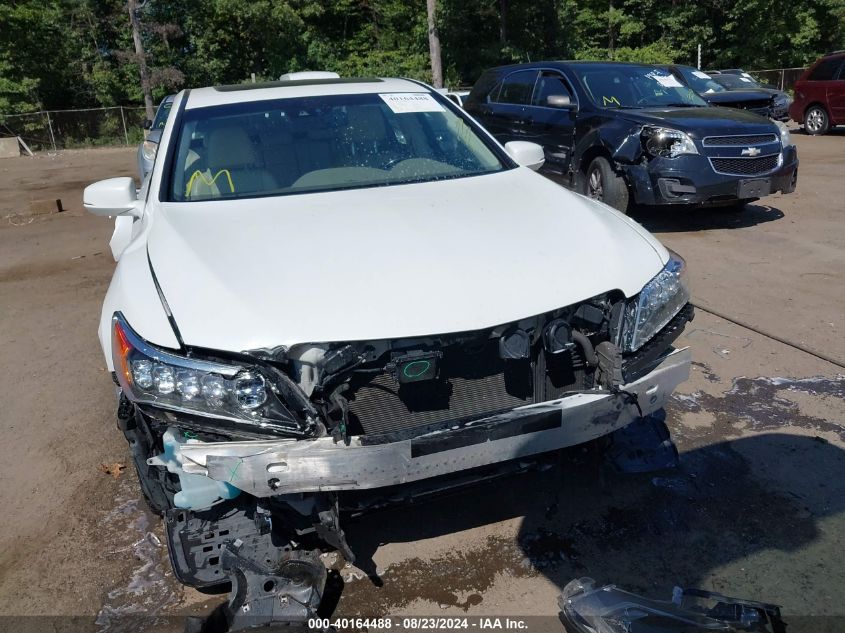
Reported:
(751, 151)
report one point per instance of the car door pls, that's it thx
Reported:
(504, 115)
(836, 96)
(818, 86)
(551, 126)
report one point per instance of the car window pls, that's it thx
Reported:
(699, 81)
(485, 89)
(735, 82)
(161, 115)
(615, 87)
(324, 143)
(549, 83)
(517, 87)
(825, 70)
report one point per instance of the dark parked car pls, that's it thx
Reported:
(754, 100)
(820, 95)
(618, 132)
(733, 81)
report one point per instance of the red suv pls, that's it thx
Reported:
(820, 95)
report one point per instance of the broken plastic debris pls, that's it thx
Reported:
(643, 446)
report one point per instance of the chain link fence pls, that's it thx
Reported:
(67, 129)
(780, 78)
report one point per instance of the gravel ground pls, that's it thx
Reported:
(756, 510)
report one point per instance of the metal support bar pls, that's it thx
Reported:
(50, 127)
(123, 120)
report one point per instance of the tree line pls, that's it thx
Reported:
(60, 54)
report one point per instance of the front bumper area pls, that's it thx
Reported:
(268, 468)
(691, 180)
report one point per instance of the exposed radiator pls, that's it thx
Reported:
(471, 385)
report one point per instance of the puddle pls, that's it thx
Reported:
(457, 579)
(705, 370)
(758, 403)
(134, 607)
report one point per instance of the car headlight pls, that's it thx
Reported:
(585, 608)
(149, 149)
(655, 305)
(238, 393)
(785, 140)
(666, 142)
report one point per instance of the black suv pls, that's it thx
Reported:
(754, 100)
(632, 132)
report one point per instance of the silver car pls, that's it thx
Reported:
(147, 149)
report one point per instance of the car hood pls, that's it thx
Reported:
(768, 91)
(389, 262)
(736, 96)
(699, 122)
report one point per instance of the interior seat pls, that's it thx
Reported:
(232, 167)
(369, 137)
(279, 153)
(316, 144)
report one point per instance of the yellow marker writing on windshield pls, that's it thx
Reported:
(209, 182)
(606, 100)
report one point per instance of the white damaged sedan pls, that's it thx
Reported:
(339, 285)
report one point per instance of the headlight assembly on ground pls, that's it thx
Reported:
(656, 304)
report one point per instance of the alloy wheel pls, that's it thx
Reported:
(815, 120)
(595, 188)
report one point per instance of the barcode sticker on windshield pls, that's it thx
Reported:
(701, 75)
(404, 102)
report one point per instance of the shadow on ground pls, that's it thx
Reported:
(681, 219)
(645, 533)
(836, 131)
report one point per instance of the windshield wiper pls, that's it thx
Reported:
(682, 105)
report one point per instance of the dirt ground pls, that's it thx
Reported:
(756, 510)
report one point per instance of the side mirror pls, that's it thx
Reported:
(147, 124)
(559, 101)
(115, 196)
(526, 154)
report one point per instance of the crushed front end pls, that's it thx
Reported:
(248, 455)
(716, 170)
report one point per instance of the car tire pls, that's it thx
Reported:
(603, 184)
(816, 121)
(157, 484)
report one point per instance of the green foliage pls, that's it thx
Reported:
(60, 54)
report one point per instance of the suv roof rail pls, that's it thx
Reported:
(834, 53)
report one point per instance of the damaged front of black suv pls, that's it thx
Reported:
(248, 455)
(706, 156)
